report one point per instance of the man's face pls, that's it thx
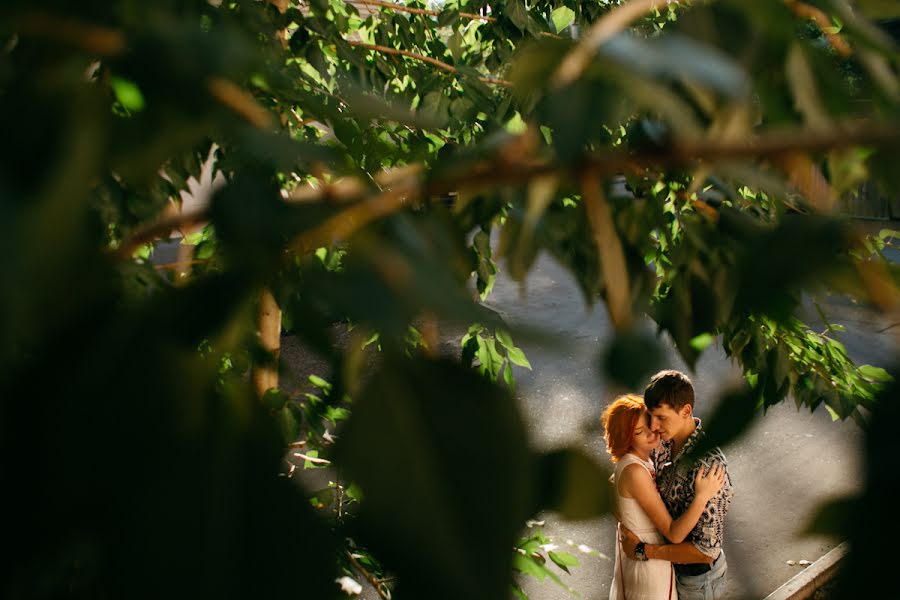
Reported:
(666, 421)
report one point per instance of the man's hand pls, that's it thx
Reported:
(629, 541)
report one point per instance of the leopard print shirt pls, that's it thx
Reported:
(675, 480)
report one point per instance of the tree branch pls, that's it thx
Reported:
(158, 229)
(807, 11)
(406, 185)
(345, 223)
(239, 101)
(609, 249)
(177, 264)
(423, 58)
(417, 11)
(312, 459)
(369, 577)
(94, 39)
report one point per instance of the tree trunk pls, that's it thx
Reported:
(268, 323)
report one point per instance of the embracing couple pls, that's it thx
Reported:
(671, 504)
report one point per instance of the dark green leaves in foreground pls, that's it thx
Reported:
(442, 458)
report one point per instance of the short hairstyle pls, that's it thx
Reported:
(619, 421)
(669, 387)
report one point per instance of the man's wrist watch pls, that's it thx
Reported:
(639, 551)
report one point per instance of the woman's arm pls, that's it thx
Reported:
(637, 483)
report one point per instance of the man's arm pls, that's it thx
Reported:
(682, 553)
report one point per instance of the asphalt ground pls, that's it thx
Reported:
(783, 468)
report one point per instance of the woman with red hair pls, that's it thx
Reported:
(630, 442)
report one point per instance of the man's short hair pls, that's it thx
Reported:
(670, 387)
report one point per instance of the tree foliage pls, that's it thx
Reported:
(369, 152)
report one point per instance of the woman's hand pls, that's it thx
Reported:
(708, 485)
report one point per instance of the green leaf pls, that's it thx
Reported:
(421, 518)
(734, 413)
(354, 492)
(573, 484)
(490, 358)
(335, 414)
(274, 399)
(702, 341)
(127, 93)
(516, 12)
(319, 383)
(834, 517)
(529, 566)
(508, 377)
(448, 17)
(562, 17)
(516, 125)
(515, 355)
(192, 239)
(564, 560)
(288, 423)
(631, 357)
(875, 373)
(675, 57)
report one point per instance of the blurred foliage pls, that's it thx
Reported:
(682, 162)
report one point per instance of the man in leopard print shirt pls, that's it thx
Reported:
(700, 565)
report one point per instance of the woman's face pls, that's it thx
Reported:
(644, 438)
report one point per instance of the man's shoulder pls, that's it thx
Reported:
(711, 458)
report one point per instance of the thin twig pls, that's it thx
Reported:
(369, 577)
(807, 11)
(417, 11)
(780, 142)
(344, 224)
(92, 38)
(302, 122)
(313, 459)
(609, 249)
(239, 101)
(160, 228)
(175, 265)
(426, 59)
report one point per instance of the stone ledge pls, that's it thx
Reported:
(804, 584)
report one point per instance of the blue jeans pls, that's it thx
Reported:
(708, 586)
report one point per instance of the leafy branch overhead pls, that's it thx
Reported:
(372, 167)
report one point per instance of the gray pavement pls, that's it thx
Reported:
(788, 463)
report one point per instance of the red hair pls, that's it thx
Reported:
(619, 420)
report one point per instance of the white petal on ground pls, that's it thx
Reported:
(533, 523)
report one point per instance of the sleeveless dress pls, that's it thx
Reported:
(639, 580)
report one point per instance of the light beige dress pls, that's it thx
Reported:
(639, 580)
